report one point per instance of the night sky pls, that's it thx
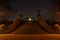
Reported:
(30, 6)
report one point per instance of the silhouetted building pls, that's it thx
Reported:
(6, 4)
(57, 12)
(3, 17)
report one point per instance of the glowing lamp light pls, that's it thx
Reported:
(30, 19)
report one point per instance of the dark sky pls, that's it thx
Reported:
(30, 6)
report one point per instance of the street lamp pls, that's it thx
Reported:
(29, 19)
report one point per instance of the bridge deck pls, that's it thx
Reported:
(29, 36)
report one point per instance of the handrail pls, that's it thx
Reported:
(45, 25)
